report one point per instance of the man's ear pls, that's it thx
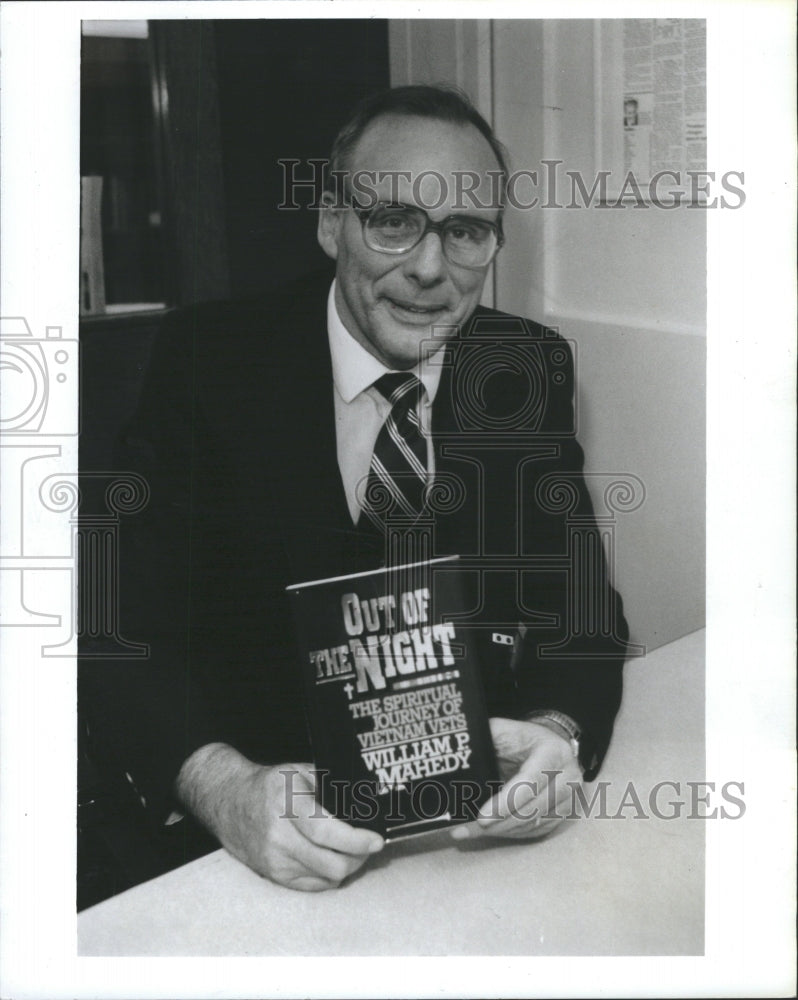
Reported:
(330, 222)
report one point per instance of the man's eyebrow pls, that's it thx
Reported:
(395, 204)
(454, 215)
(370, 205)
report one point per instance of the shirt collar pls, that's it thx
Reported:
(354, 369)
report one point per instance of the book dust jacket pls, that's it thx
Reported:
(394, 698)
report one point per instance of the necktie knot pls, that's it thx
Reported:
(400, 388)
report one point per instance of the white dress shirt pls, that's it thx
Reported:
(360, 409)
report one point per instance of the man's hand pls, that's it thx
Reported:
(525, 806)
(268, 818)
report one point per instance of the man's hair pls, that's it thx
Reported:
(440, 103)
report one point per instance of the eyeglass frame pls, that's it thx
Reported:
(364, 213)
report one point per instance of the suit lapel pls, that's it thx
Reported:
(309, 495)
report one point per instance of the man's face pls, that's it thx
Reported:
(390, 303)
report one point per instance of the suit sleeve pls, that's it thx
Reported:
(146, 716)
(204, 566)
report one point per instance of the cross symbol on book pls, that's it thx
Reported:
(349, 690)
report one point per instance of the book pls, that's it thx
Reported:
(394, 698)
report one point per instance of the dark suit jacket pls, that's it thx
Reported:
(235, 436)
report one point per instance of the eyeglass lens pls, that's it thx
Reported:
(397, 229)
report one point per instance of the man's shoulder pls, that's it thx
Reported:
(301, 299)
(509, 373)
(283, 327)
(494, 333)
(489, 322)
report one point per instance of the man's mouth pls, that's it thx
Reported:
(423, 311)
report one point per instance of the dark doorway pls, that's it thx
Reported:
(285, 88)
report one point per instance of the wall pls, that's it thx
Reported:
(627, 286)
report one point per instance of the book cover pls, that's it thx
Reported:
(394, 698)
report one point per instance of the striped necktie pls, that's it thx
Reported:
(398, 477)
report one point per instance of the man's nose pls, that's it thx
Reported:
(426, 263)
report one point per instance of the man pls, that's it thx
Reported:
(630, 118)
(258, 433)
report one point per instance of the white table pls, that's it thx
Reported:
(627, 886)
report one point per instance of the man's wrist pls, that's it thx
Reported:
(560, 723)
(208, 783)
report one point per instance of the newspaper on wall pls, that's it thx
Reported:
(664, 95)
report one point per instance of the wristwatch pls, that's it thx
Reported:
(559, 723)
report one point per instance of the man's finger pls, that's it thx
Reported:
(509, 827)
(511, 799)
(520, 806)
(310, 883)
(465, 831)
(331, 865)
(518, 810)
(324, 830)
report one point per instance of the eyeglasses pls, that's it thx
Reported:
(396, 228)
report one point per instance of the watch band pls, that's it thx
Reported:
(561, 723)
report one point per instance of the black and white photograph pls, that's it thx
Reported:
(398, 490)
